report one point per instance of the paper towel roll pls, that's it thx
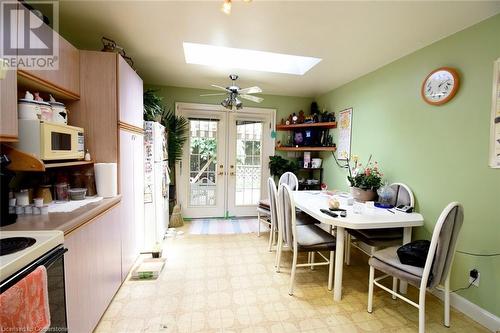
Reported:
(106, 179)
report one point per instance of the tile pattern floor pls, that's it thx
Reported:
(227, 283)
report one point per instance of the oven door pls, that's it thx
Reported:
(60, 142)
(54, 263)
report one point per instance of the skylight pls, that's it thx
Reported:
(227, 57)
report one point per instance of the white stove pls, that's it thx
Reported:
(44, 241)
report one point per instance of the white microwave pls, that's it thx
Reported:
(51, 141)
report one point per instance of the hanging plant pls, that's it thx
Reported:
(153, 106)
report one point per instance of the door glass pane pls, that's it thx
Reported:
(248, 162)
(202, 162)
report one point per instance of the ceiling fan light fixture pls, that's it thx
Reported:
(226, 7)
(238, 104)
(227, 103)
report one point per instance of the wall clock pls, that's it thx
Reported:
(440, 86)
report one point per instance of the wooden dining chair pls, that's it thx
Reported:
(371, 240)
(437, 265)
(301, 238)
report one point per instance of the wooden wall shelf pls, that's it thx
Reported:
(292, 127)
(27, 81)
(49, 165)
(282, 148)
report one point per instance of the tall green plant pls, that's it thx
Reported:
(177, 129)
(153, 106)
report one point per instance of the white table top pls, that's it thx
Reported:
(312, 201)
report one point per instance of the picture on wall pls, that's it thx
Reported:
(495, 118)
(345, 131)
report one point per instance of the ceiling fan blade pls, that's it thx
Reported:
(252, 98)
(250, 90)
(216, 86)
(218, 94)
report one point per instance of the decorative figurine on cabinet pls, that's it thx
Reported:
(301, 117)
(294, 119)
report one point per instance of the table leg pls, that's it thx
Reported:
(403, 286)
(339, 264)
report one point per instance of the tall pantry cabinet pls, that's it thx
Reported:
(110, 110)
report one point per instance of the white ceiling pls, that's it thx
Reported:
(352, 37)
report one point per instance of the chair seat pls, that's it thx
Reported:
(313, 238)
(378, 237)
(387, 261)
(305, 219)
(265, 204)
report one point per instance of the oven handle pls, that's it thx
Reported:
(46, 260)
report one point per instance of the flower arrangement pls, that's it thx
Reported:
(367, 177)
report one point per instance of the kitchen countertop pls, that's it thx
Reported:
(66, 222)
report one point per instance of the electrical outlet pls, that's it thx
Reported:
(474, 276)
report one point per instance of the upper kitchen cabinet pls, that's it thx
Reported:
(64, 82)
(8, 107)
(130, 95)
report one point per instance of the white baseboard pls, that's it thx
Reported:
(471, 310)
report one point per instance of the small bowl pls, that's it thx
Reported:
(77, 193)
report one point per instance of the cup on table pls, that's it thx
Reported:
(358, 207)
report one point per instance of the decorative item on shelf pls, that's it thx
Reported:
(295, 119)
(309, 120)
(316, 163)
(364, 180)
(59, 112)
(110, 45)
(282, 121)
(28, 108)
(87, 155)
(301, 118)
(289, 120)
(314, 108)
(307, 159)
(298, 138)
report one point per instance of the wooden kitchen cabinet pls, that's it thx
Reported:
(92, 270)
(65, 79)
(132, 191)
(130, 103)
(8, 107)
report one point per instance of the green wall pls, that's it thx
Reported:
(284, 105)
(440, 152)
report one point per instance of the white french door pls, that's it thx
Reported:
(224, 166)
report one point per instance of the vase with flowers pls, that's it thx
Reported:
(365, 180)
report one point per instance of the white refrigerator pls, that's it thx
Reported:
(156, 183)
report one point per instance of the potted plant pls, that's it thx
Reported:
(364, 180)
(278, 165)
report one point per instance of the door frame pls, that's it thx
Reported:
(199, 109)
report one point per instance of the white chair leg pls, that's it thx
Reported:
(348, 249)
(312, 260)
(447, 301)
(370, 289)
(258, 224)
(421, 311)
(271, 237)
(294, 268)
(330, 271)
(394, 286)
(279, 247)
(308, 257)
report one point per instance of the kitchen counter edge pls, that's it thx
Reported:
(66, 222)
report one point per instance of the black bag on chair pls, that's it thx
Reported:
(414, 253)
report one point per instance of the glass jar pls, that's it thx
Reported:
(89, 183)
(62, 193)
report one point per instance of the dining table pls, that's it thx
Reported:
(311, 203)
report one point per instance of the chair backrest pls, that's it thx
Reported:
(443, 244)
(271, 186)
(286, 212)
(290, 179)
(404, 195)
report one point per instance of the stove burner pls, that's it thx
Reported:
(15, 244)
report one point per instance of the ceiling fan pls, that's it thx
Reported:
(233, 92)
